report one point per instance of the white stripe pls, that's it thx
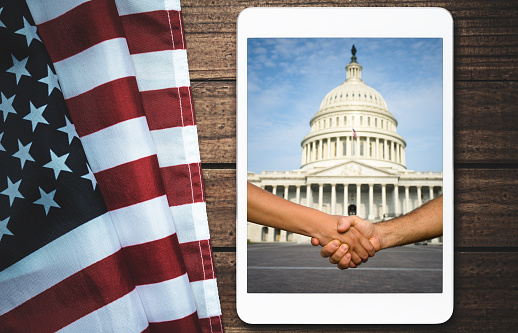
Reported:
(126, 7)
(161, 69)
(43, 11)
(168, 300)
(121, 143)
(206, 298)
(143, 222)
(99, 64)
(125, 314)
(65, 256)
(176, 145)
(191, 222)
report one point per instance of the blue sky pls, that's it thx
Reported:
(289, 78)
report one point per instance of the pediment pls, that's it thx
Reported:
(351, 169)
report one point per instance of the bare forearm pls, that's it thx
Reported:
(423, 223)
(268, 209)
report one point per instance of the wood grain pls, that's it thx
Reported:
(484, 300)
(485, 153)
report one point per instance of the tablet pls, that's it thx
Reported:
(348, 111)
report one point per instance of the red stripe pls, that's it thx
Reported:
(212, 324)
(105, 105)
(191, 323)
(183, 184)
(78, 295)
(155, 261)
(153, 31)
(198, 260)
(80, 28)
(130, 183)
(168, 108)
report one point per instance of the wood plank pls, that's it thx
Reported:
(486, 207)
(485, 121)
(486, 296)
(486, 42)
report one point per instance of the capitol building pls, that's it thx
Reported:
(353, 163)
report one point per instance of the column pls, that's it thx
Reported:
(392, 152)
(312, 151)
(357, 145)
(333, 199)
(403, 155)
(358, 198)
(274, 190)
(385, 150)
(346, 199)
(321, 149)
(396, 200)
(407, 199)
(286, 189)
(303, 155)
(297, 194)
(339, 147)
(347, 146)
(328, 148)
(371, 202)
(309, 197)
(377, 148)
(383, 200)
(419, 200)
(320, 196)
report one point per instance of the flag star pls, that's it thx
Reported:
(29, 31)
(1, 147)
(23, 153)
(57, 163)
(51, 80)
(12, 191)
(90, 176)
(36, 116)
(18, 68)
(47, 200)
(3, 228)
(2, 25)
(7, 105)
(69, 129)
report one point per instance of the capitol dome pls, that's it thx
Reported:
(353, 123)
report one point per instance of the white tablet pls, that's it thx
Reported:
(349, 111)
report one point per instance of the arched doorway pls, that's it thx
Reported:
(277, 235)
(264, 234)
(351, 210)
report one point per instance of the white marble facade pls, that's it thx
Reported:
(353, 162)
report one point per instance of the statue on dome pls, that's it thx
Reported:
(353, 51)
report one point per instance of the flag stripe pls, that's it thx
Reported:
(43, 11)
(206, 298)
(57, 307)
(164, 108)
(197, 256)
(168, 300)
(124, 315)
(134, 226)
(106, 148)
(190, 323)
(78, 73)
(212, 324)
(183, 184)
(184, 215)
(155, 261)
(171, 145)
(38, 272)
(92, 111)
(101, 26)
(131, 183)
(152, 75)
(161, 28)
(133, 7)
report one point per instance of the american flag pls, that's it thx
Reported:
(354, 134)
(102, 210)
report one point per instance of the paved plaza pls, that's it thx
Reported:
(299, 268)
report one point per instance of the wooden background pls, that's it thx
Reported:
(485, 161)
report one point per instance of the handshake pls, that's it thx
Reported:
(348, 241)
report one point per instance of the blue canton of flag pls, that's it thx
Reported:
(46, 186)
